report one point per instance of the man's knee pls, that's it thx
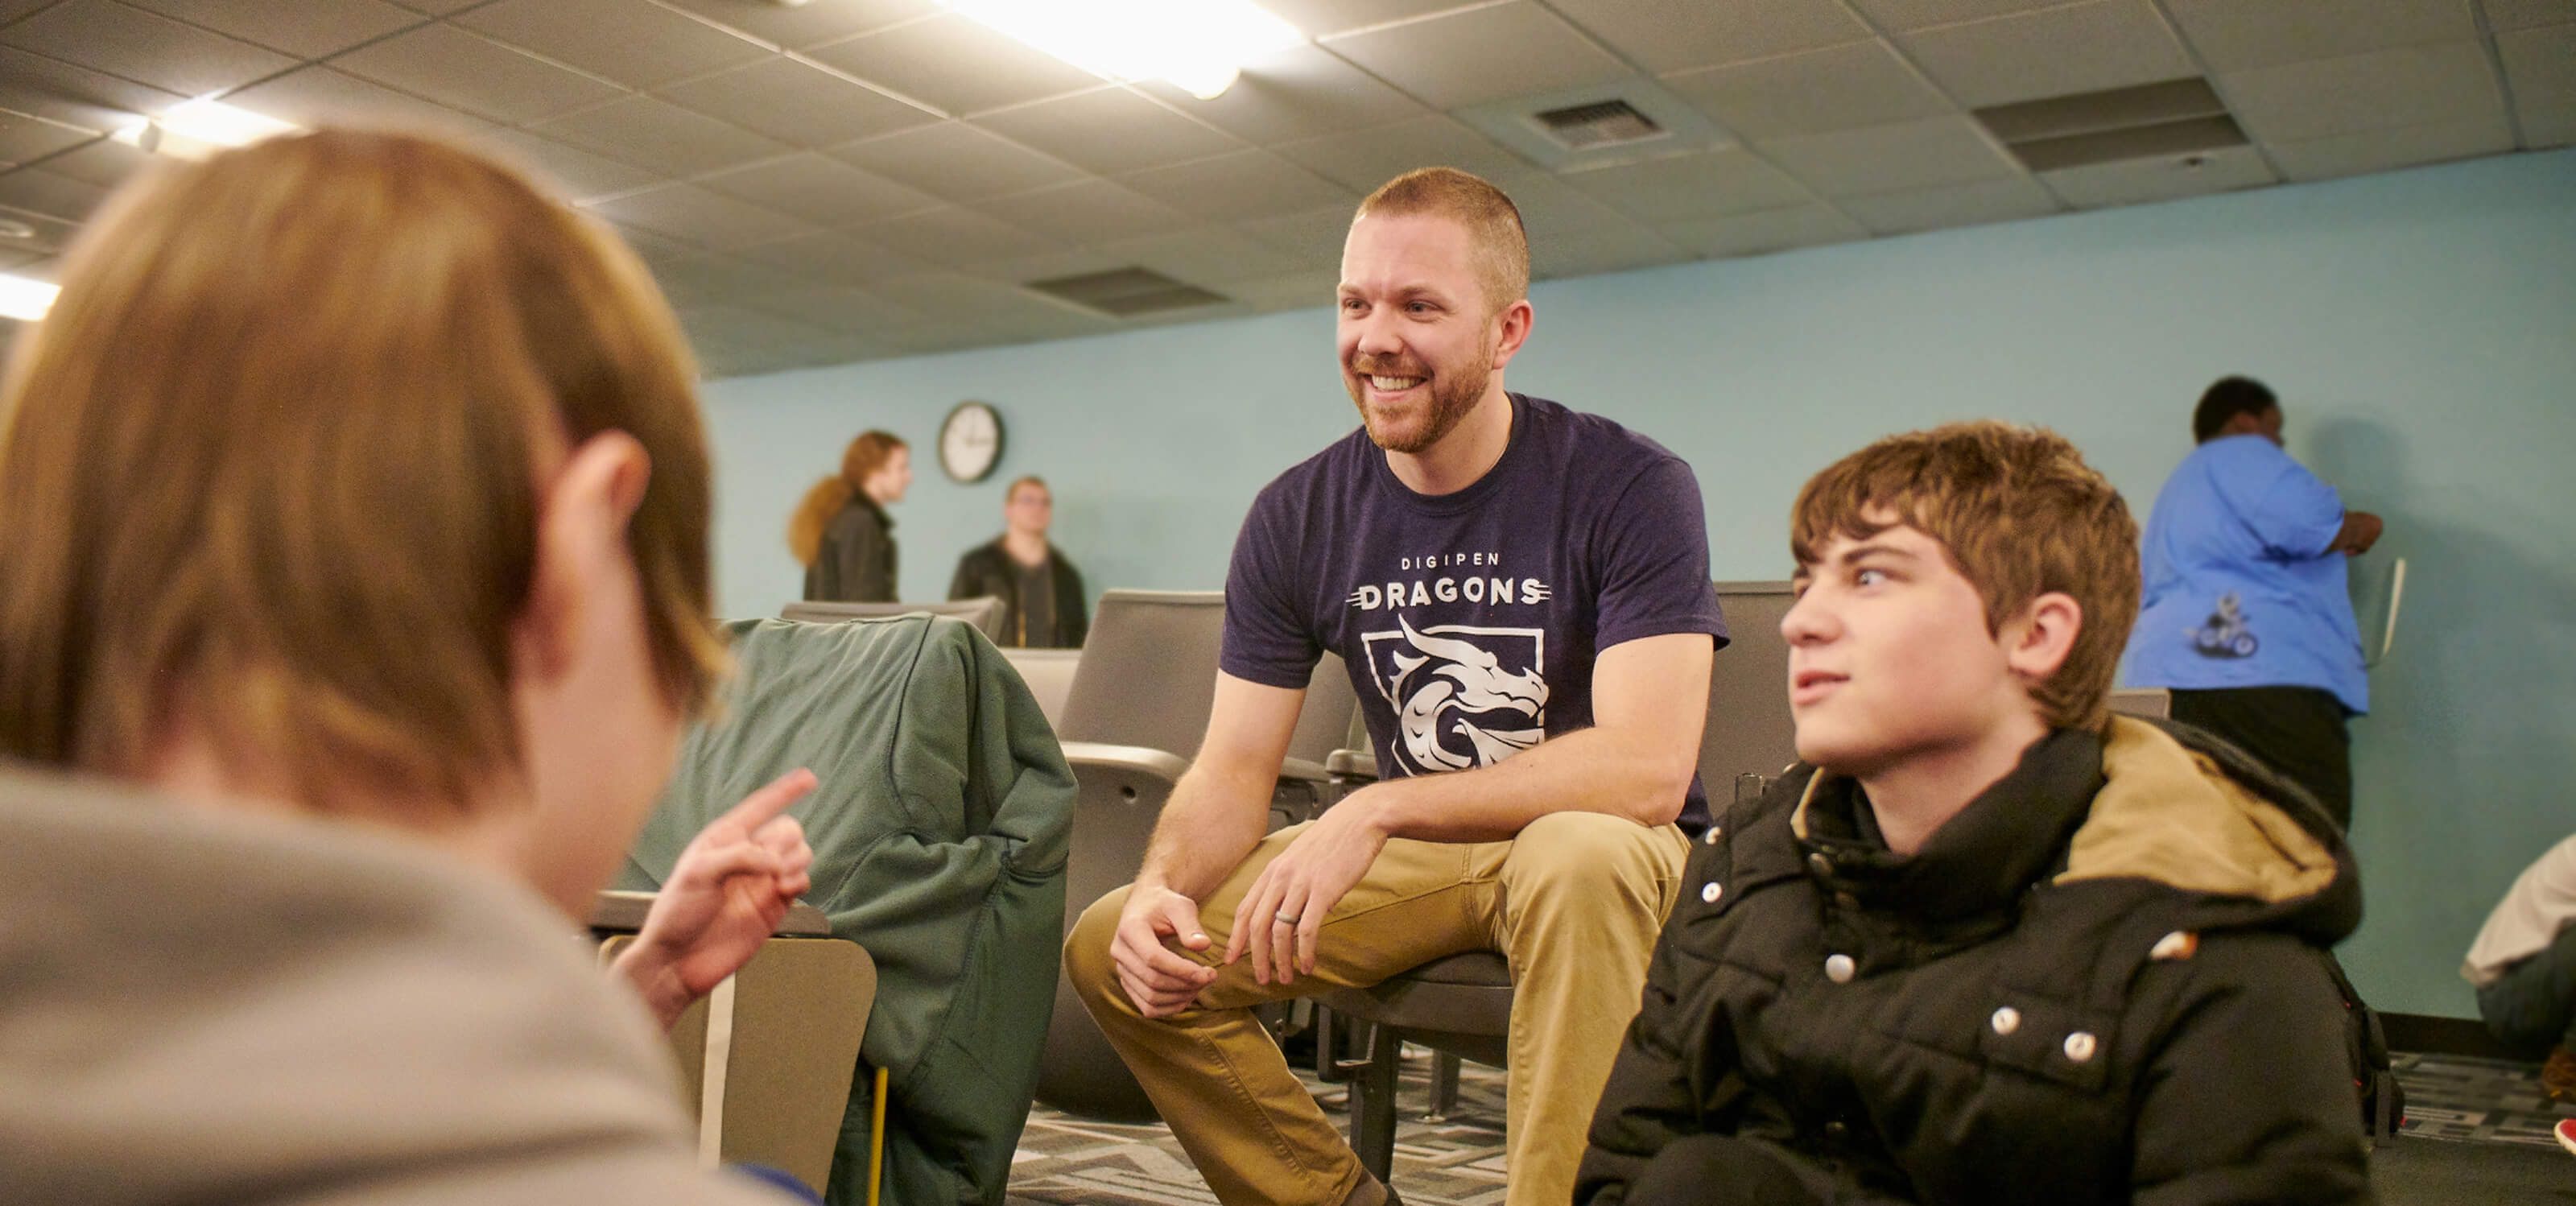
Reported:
(1591, 848)
(1087, 962)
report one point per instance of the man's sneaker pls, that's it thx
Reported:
(2566, 1132)
(2558, 1075)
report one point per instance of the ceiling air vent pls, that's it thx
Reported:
(1124, 292)
(2175, 117)
(1599, 124)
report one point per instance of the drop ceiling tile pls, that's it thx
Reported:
(650, 45)
(1890, 158)
(76, 96)
(957, 297)
(712, 279)
(956, 64)
(1246, 184)
(1615, 246)
(2541, 66)
(701, 216)
(956, 161)
(2166, 178)
(1292, 291)
(35, 190)
(1317, 18)
(1202, 255)
(2233, 35)
(1086, 211)
(740, 328)
(2384, 150)
(24, 137)
(485, 78)
(1659, 35)
(1549, 206)
(1837, 88)
(2548, 127)
(955, 236)
(1726, 181)
(143, 47)
(1951, 205)
(1898, 16)
(833, 258)
(1109, 131)
(2053, 52)
(103, 162)
(1300, 92)
(1361, 160)
(2526, 14)
(824, 191)
(309, 30)
(46, 236)
(798, 27)
(835, 308)
(2385, 89)
(576, 173)
(1050, 265)
(1313, 237)
(437, 8)
(316, 96)
(1480, 55)
(1771, 230)
(660, 135)
(798, 103)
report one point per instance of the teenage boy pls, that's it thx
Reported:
(1986, 943)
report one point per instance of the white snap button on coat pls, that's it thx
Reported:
(1709, 894)
(2079, 1046)
(2006, 1020)
(1714, 833)
(1838, 968)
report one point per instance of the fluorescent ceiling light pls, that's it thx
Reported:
(195, 129)
(25, 298)
(1196, 44)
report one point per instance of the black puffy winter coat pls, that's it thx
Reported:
(2102, 981)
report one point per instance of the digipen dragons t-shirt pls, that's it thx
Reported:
(1470, 621)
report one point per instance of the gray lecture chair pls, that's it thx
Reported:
(1461, 1006)
(1132, 721)
(1049, 674)
(982, 611)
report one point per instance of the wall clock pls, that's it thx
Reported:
(970, 442)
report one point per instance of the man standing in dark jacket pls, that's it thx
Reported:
(1986, 944)
(1041, 592)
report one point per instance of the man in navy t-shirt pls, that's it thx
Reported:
(1521, 595)
(2246, 617)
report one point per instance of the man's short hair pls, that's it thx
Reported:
(2225, 399)
(2020, 514)
(1492, 222)
(270, 466)
(1027, 480)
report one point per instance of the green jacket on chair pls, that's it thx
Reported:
(939, 835)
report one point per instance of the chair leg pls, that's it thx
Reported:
(1373, 1102)
(1444, 1087)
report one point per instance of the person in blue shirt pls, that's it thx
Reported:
(2246, 618)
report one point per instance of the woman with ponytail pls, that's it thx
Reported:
(842, 532)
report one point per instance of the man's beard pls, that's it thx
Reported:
(1453, 395)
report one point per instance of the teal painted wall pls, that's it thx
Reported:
(2419, 326)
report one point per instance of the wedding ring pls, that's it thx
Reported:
(1284, 918)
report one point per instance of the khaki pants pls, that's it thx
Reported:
(1575, 904)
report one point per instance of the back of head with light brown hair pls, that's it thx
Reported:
(2020, 514)
(269, 468)
(859, 462)
(1502, 245)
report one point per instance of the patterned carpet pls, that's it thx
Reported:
(1458, 1161)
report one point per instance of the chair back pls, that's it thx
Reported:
(1749, 730)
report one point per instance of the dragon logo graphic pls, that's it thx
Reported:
(1464, 696)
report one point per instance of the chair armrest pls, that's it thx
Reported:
(623, 913)
(1160, 763)
(1302, 771)
(1351, 764)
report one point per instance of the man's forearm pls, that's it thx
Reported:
(1589, 770)
(1205, 831)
